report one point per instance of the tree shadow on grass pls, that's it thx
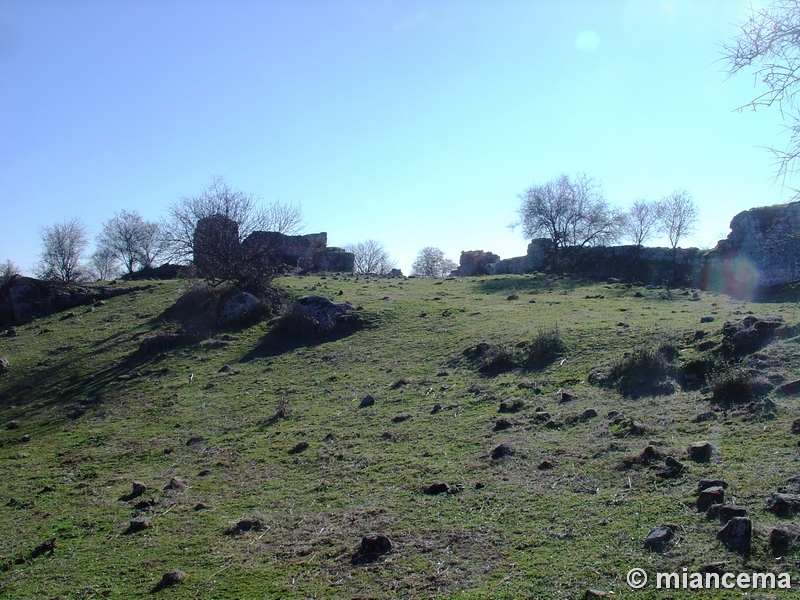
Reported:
(504, 284)
(286, 337)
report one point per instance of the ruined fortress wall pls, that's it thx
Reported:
(769, 239)
(759, 256)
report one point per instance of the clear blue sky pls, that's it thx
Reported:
(415, 123)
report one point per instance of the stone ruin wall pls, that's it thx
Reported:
(307, 252)
(761, 255)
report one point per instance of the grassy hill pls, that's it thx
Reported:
(263, 472)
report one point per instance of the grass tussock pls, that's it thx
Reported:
(546, 346)
(738, 385)
(493, 359)
(645, 371)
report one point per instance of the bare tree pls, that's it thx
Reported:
(678, 216)
(371, 257)
(220, 199)
(570, 211)
(769, 46)
(641, 221)
(214, 231)
(103, 264)
(132, 240)
(8, 270)
(431, 262)
(63, 246)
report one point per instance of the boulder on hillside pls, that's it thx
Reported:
(237, 307)
(316, 316)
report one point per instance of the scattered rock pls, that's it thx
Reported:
(46, 547)
(704, 484)
(479, 485)
(200, 506)
(3, 365)
(436, 488)
(321, 315)
(649, 455)
(725, 512)
(502, 451)
(11, 332)
(541, 417)
(244, 525)
(145, 505)
(138, 488)
(299, 447)
(646, 457)
(672, 468)
(12, 425)
(511, 406)
(708, 319)
(436, 408)
(709, 496)
(371, 548)
(238, 307)
(366, 401)
(718, 567)
(657, 538)
(175, 484)
(588, 414)
(502, 424)
(787, 389)
(169, 579)
(546, 465)
(137, 525)
(194, 440)
(564, 396)
(596, 594)
(749, 334)
(704, 416)
(783, 505)
(779, 540)
(399, 418)
(796, 426)
(700, 451)
(736, 535)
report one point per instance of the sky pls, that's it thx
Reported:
(413, 123)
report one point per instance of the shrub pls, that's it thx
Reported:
(640, 372)
(738, 386)
(491, 359)
(545, 347)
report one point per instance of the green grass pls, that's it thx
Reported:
(101, 415)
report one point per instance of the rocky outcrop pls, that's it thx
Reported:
(25, 298)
